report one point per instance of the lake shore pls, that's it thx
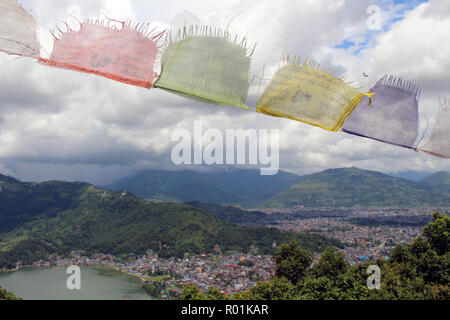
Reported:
(121, 284)
(97, 267)
(118, 270)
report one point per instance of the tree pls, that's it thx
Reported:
(400, 254)
(214, 294)
(292, 261)
(353, 283)
(5, 295)
(276, 289)
(243, 295)
(321, 288)
(441, 292)
(438, 233)
(331, 264)
(191, 293)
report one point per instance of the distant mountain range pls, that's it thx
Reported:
(439, 181)
(235, 187)
(38, 219)
(331, 188)
(354, 187)
(411, 175)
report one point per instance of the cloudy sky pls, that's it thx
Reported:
(57, 124)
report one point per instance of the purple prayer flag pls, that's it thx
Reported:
(439, 142)
(393, 115)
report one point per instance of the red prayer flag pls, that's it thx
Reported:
(127, 55)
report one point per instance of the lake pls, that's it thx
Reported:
(50, 284)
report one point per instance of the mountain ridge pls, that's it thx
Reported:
(248, 189)
(281, 195)
(439, 180)
(237, 186)
(352, 187)
(76, 216)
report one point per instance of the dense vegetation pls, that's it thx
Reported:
(439, 180)
(233, 214)
(22, 202)
(418, 271)
(254, 217)
(355, 187)
(5, 295)
(96, 220)
(231, 187)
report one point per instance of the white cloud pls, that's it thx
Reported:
(72, 122)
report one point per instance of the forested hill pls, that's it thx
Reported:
(22, 202)
(440, 181)
(344, 187)
(59, 217)
(231, 187)
(355, 187)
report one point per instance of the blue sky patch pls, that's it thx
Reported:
(397, 9)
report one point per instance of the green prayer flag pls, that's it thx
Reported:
(207, 65)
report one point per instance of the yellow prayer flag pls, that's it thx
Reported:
(309, 93)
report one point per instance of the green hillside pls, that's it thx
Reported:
(231, 213)
(355, 187)
(331, 188)
(439, 181)
(96, 220)
(234, 187)
(22, 202)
